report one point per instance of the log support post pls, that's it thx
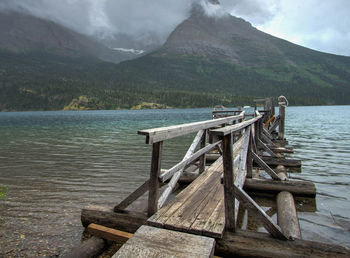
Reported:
(229, 199)
(250, 156)
(282, 114)
(153, 193)
(287, 217)
(202, 158)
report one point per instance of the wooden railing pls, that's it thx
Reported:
(237, 168)
(158, 135)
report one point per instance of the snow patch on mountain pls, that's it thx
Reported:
(129, 50)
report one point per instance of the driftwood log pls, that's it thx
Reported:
(127, 221)
(256, 244)
(299, 188)
(89, 248)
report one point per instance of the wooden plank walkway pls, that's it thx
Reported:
(156, 242)
(199, 208)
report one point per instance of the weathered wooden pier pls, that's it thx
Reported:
(236, 156)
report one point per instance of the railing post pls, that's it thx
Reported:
(202, 158)
(282, 114)
(229, 199)
(249, 156)
(153, 192)
(257, 130)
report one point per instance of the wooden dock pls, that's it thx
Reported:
(203, 218)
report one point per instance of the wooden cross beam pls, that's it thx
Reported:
(267, 149)
(252, 206)
(132, 197)
(266, 167)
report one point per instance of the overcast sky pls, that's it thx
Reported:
(318, 24)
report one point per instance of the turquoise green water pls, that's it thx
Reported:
(55, 163)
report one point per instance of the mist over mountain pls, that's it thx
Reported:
(24, 33)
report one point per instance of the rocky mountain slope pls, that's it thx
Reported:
(231, 39)
(24, 33)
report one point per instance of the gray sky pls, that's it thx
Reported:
(318, 24)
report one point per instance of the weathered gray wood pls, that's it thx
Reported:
(274, 125)
(264, 166)
(153, 189)
(252, 206)
(266, 132)
(266, 148)
(88, 249)
(250, 157)
(229, 198)
(299, 188)
(156, 242)
(256, 244)
(196, 205)
(129, 221)
(266, 139)
(202, 158)
(179, 211)
(282, 114)
(287, 217)
(283, 176)
(164, 133)
(166, 175)
(178, 173)
(234, 128)
(132, 197)
(282, 161)
(281, 149)
(241, 174)
(236, 163)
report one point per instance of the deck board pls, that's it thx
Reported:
(160, 217)
(156, 242)
(199, 208)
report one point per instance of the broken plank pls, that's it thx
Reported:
(109, 233)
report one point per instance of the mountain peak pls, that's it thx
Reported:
(211, 8)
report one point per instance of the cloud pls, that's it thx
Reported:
(254, 11)
(321, 25)
(74, 14)
(139, 17)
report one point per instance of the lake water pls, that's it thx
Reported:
(55, 163)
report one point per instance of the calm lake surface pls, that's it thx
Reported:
(55, 163)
